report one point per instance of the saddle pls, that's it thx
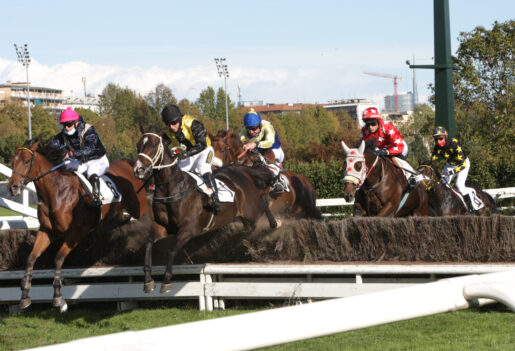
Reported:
(108, 190)
(225, 194)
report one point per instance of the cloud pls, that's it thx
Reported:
(318, 82)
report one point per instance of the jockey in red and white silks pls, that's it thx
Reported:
(389, 141)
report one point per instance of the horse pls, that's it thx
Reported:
(446, 201)
(64, 209)
(378, 187)
(298, 202)
(182, 210)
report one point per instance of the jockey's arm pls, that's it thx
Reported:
(268, 139)
(92, 148)
(200, 135)
(395, 144)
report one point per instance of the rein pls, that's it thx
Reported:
(159, 154)
(26, 179)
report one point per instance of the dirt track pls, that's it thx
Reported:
(437, 239)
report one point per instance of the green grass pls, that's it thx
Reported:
(490, 328)
(6, 212)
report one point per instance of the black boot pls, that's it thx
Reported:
(468, 201)
(95, 184)
(211, 183)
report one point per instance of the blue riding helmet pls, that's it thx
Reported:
(251, 119)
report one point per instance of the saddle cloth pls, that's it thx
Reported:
(224, 193)
(108, 189)
(285, 182)
(477, 203)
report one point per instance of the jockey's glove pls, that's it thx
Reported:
(180, 156)
(449, 172)
(382, 152)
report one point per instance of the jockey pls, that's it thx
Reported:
(198, 157)
(457, 164)
(260, 134)
(84, 144)
(389, 142)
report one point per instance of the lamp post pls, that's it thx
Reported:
(84, 83)
(24, 59)
(222, 71)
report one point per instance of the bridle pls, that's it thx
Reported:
(157, 159)
(358, 177)
(26, 178)
(429, 182)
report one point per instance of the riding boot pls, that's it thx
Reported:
(277, 186)
(211, 183)
(95, 184)
(468, 201)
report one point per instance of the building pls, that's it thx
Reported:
(48, 98)
(405, 102)
(250, 103)
(88, 102)
(354, 107)
(280, 108)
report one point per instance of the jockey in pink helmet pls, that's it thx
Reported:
(83, 144)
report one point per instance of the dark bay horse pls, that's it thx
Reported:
(64, 209)
(299, 202)
(444, 200)
(183, 211)
(378, 187)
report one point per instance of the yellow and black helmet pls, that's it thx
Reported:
(439, 131)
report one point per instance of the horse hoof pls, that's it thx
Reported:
(166, 288)
(24, 303)
(63, 307)
(149, 287)
(58, 301)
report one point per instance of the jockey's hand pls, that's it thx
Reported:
(180, 157)
(71, 165)
(449, 172)
(250, 146)
(382, 152)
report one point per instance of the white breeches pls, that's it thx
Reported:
(98, 167)
(199, 163)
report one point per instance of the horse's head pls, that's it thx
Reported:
(23, 167)
(355, 170)
(430, 175)
(223, 152)
(151, 152)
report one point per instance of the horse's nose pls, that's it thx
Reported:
(15, 189)
(348, 197)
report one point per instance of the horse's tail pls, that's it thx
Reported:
(305, 194)
(487, 199)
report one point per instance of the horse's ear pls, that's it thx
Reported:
(141, 129)
(345, 148)
(361, 148)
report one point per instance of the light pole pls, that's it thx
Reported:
(84, 83)
(222, 71)
(24, 59)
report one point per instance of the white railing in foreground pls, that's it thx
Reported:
(289, 324)
(215, 282)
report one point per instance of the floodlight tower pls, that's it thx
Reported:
(223, 71)
(24, 59)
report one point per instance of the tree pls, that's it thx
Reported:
(159, 98)
(206, 102)
(484, 85)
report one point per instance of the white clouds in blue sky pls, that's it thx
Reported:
(277, 51)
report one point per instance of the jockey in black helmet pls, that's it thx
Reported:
(198, 157)
(457, 164)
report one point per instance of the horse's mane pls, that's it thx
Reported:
(370, 145)
(47, 149)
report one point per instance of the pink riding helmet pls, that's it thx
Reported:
(68, 115)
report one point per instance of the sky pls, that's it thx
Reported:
(278, 51)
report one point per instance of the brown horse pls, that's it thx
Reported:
(446, 201)
(299, 201)
(64, 209)
(184, 211)
(378, 187)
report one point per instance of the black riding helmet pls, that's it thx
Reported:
(171, 114)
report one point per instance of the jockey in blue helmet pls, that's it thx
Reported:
(260, 134)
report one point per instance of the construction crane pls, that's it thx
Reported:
(395, 84)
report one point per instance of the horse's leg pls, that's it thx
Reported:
(182, 237)
(65, 249)
(271, 220)
(40, 245)
(158, 232)
(387, 210)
